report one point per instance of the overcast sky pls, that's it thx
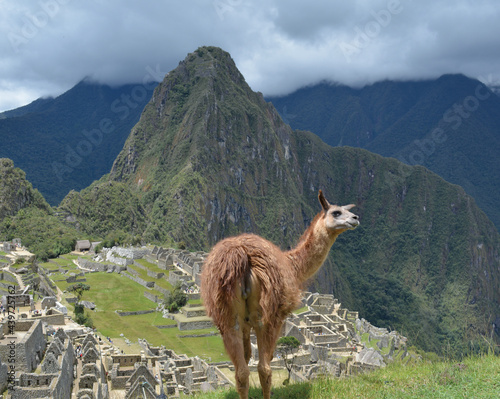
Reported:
(47, 46)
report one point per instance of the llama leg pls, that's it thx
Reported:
(233, 342)
(246, 343)
(266, 344)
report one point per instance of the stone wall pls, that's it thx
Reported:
(49, 302)
(178, 276)
(155, 275)
(132, 271)
(141, 266)
(161, 290)
(126, 360)
(153, 297)
(28, 351)
(134, 313)
(131, 253)
(56, 318)
(8, 277)
(17, 299)
(99, 267)
(3, 376)
(110, 257)
(144, 283)
(194, 325)
(76, 279)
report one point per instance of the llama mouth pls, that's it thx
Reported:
(351, 225)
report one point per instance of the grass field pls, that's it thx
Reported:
(111, 292)
(475, 377)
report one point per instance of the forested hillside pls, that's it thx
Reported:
(450, 125)
(67, 142)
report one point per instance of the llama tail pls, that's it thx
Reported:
(226, 269)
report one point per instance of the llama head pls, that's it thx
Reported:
(337, 218)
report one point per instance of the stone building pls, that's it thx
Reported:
(56, 377)
(25, 341)
(82, 245)
(161, 371)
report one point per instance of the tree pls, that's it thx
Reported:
(286, 346)
(78, 289)
(80, 316)
(175, 299)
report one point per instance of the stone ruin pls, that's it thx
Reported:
(327, 332)
(161, 369)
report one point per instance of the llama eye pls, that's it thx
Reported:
(336, 214)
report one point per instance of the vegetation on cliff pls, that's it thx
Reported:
(24, 213)
(449, 125)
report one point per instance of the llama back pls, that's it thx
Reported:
(225, 267)
(229, 265)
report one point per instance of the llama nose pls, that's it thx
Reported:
(355, 217)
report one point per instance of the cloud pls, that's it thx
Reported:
(48, 46)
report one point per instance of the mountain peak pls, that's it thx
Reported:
(199, 104)
(211, 63)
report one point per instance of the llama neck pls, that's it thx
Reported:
(311, 251)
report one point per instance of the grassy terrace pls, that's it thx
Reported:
(64, 262)
(111, 291)
(49, 266)
(162, 282)
(151, 266)
(475, 377)
(20, 265)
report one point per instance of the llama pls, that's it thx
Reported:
(248, 283)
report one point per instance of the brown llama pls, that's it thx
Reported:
(248, 282)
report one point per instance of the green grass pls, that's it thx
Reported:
(111, 291)
(49, 266)
(151, 266)
(20, 265)
(8, 282)
(474, 377)
(64, 262)
(162, 282)
(301, 310)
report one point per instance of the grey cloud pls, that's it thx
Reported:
(49, 45)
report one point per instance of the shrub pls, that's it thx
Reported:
(175, 299)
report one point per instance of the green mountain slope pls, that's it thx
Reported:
(24, 213)
(16, 192)
(68, 142)
(210, 158)
(450, 125)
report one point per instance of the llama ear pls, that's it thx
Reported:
(322, 200)
(347, 207)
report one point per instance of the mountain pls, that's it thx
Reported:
(211, 158)
(450, 125)
(24, 213)
(16, 192)
(68, 142)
